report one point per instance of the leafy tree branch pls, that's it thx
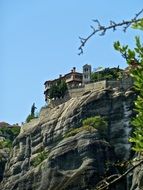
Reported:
(134, 58)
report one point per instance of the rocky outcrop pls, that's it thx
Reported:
(44, 158)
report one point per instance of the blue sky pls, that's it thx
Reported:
(39, 41)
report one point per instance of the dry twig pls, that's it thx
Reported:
(101, 30)
(106, 183)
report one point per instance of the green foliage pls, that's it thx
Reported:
(10, 131)
(1, 157)
(53, 92)
(138, 25)
(91, 124)
(15, 130)
(99, 123)
(58, 90)
(1, 144)
(135, 60)
(5, 131)
(29, 118)
(75, 131)
(39, 158)
(62, 88)
(7, 143)
(107, 73)
(33, 109)
(32, 115)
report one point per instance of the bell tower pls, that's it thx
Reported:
(86, 73)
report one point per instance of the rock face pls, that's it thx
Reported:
(43, 158)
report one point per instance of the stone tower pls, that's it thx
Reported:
(86, 73)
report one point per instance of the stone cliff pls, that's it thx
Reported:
(44, 158)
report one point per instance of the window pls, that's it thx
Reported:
(85, 69)
(86, 76)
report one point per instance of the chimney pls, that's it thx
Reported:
(60, 76)
(74, 69)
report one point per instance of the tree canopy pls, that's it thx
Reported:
(107, 73)
(32, 115)
(58, 90)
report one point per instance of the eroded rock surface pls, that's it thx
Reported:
(43, 158)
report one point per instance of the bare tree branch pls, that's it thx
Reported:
(101, 30)
(104, 184)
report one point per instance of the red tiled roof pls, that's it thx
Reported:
(63, 77)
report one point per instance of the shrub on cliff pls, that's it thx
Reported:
(98, 123)
(32, 115)
(75, 131)
(39, 158)
(91, 124)
(29, 118)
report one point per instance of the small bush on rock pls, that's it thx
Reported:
(99, 123)
(91, 124)
(75, 131)
(39, 158)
